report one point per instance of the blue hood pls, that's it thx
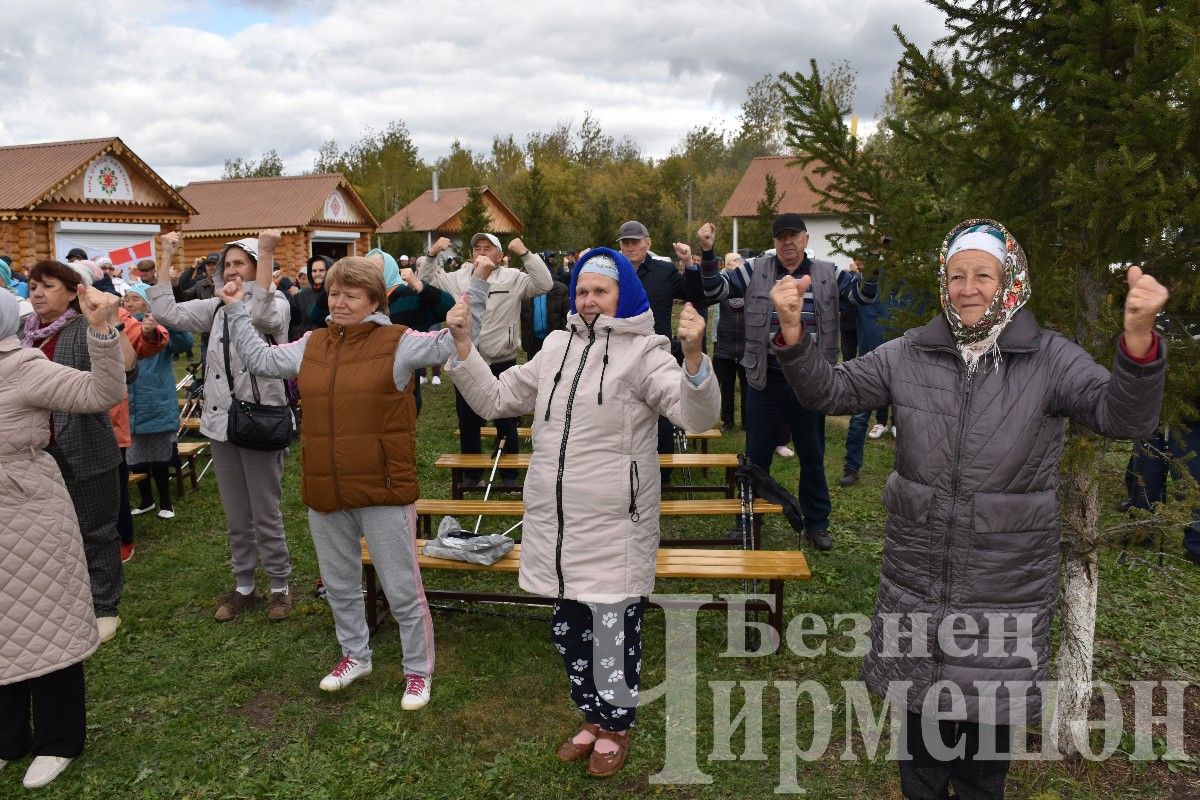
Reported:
(631, 299)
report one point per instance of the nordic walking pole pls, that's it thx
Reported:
(487, 491)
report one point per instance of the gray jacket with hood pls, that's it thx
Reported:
(972, 530)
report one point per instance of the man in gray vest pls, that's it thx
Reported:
(770, 400)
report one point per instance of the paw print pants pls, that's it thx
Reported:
(601, 648)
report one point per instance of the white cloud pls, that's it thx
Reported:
(188, 86)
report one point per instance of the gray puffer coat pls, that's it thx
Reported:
(972, 506)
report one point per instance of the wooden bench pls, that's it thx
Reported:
(188, 453)
(458, 462)
(427, 509)
(772, 566)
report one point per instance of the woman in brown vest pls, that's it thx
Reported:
(358, 453)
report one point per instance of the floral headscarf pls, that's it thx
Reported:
(1014, 284)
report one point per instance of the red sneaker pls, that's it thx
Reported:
(126, 552)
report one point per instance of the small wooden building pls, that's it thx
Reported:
(795, 196)
(94, 194)
(317, 215)
(437, 213)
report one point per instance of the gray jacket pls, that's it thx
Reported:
(972, 506)
(270, 314)
(84, 444)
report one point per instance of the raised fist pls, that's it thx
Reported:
(268, 240)
(788, 297)
(518, 248)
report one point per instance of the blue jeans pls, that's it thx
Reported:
(776, 403)
(1183, 442)
(856, 439)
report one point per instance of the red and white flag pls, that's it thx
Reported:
(132, 253)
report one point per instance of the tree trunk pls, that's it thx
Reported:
(1077, 603)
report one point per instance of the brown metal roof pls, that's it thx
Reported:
(791, 187)
(423, 214)
(32, 172)
(252, 204)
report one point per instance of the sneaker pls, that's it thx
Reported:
(44, 770)
(893, 431)
(346, 672)
(437, 380)
(126, 552)
(424, 380)
(784, 451)
(416, 692)
(136, 511)
(877, 431)
(233, 604)
(280, 607)
(107, 627)
(849, 478)
(166, 513)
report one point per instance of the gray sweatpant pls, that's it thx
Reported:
(391, 533)
(249, 483)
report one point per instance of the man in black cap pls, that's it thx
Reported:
(664, 285)
(76, 254)
(770, 399)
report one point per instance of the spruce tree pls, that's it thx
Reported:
(474, 217)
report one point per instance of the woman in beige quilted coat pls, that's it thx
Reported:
(47, 625)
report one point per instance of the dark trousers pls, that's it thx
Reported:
(856, 439)
(124, 517)
(601, 649)
(161, 477)
(926, 778)
(729, 372)
(95, 499)
(56, 706)
(767, 408)
(470, 440)
(849, 344)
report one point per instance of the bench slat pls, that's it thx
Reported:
(516, 508)
(672, 563)
(521, 460)
(526, 433)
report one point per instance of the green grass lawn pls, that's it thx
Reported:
(181, 706)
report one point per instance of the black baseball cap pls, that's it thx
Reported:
(788, 222)
(77, 252)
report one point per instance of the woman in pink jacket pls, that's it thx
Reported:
(590, 532)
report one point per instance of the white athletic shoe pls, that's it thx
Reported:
(416, 692)
(166, 513)
(44, 770)
(107, 627)
(877, 431)
(137, 511)
(784, 451)
(346, 672)
(893, 431)
(437, 380)
(424, 380)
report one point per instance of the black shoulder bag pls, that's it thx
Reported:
(253, 425)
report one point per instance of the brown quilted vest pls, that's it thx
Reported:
(358, 440)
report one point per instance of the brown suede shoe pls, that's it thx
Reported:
(601, 765)
(280, 607)
(231, 605)
(569, 751)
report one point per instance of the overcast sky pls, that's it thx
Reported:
(189, 83)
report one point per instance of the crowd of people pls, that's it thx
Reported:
(89, 394)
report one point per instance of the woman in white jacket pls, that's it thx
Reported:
(590, 533)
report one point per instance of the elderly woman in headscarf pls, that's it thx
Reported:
(85, 445)
(982, 395)
(153, 410)
(590, 533)
(47, 621)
